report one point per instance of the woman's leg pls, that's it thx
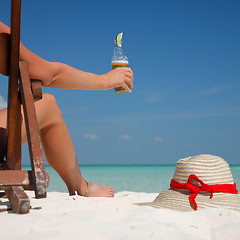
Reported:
(58, 148)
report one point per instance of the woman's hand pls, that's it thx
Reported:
(119, 77)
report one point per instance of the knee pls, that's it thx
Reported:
(48, 109)
(50, 104)
(49, 100)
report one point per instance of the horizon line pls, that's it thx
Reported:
(129, 165)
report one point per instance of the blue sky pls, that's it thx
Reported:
(185, 58)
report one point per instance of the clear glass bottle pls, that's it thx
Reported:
(119, 59)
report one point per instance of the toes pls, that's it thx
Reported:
(111, 195)
(109, 191)
(101, 191)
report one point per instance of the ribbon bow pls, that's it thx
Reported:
(226, 188)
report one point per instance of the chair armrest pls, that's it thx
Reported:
(36, 86)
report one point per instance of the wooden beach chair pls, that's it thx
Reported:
(21, 91)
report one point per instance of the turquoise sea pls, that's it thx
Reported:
(136, 178)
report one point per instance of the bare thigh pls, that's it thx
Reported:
(46, 110)
(3, 118)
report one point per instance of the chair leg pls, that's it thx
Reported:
(19, 200)
(33, 136)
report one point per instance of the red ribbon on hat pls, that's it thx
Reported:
(226, 188)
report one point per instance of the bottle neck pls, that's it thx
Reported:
(119, 54)
(118, 50)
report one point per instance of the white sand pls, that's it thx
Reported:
(59, 216)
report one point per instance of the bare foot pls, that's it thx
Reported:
(95, 190)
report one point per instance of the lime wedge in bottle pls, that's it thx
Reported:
(118, 39)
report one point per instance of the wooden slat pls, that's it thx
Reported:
(13, 100)
(19, 200)
(17, 178)
(33, 135)
(4, 50)
(18, 139)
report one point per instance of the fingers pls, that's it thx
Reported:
(120, 77)
(125, 86)
(127, 78)
(128, 71)
(129, 81)
(125, 70)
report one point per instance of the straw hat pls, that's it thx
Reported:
(211, 170)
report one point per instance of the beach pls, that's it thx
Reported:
(184, 106)
(60, 216)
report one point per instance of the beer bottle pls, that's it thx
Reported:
(119, 59)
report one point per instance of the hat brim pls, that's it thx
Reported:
(179, 200)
